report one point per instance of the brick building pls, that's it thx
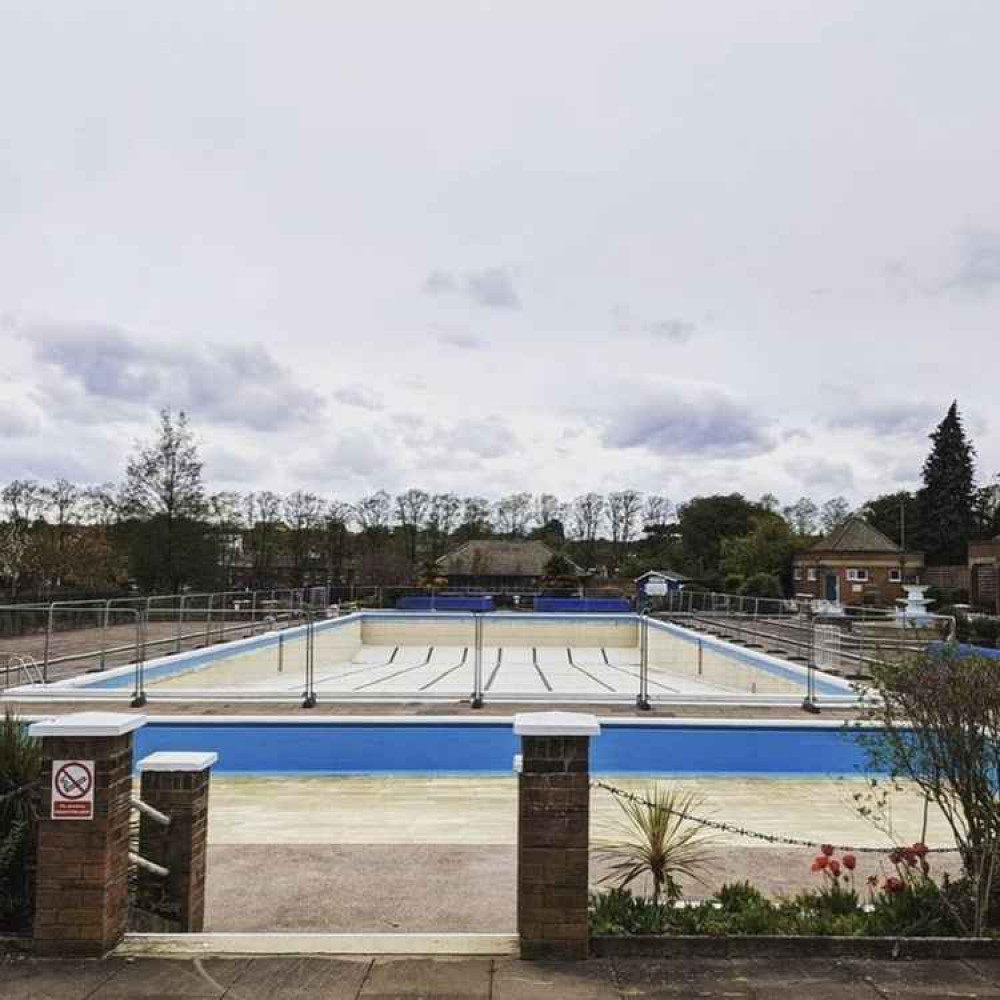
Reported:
(984, 575)
(856, 564)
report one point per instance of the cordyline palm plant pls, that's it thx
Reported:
(654, 842)
(20, 767)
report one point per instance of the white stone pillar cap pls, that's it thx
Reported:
(88, 724)
(556, 724)
(176, 760)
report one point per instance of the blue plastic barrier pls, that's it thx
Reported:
(484, 603)
(576, 604)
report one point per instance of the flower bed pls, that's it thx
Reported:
(906, 903)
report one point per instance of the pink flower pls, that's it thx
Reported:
(827, 849)
(819, 863)
(919, 849)
(893, 885)
(835, 867)
(850, 862)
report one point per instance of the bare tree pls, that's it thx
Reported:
(656, 512)
(833, 513)
(546, 509)
(23, 502)
(475, 517)
(303, 513)
(262, 515)
(623, 513)
(411, 512)
(442, 519)
(336, 539)
(801, 516)
(512, 514)
(588, 517)
(163, 481)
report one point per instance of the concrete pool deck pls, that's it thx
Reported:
(426, 855)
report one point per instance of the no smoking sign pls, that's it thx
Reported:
(72, 789)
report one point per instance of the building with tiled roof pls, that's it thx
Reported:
(856, 564)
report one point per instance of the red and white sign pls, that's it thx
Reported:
(72, 789)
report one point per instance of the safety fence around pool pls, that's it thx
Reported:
(304, 657)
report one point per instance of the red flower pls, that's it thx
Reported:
(820, 863)
(919, 850)
(850, 862)
(827, 849)
(896, 855)
(835, 867)
(893, 885)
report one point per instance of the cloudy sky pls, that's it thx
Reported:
(557, 246)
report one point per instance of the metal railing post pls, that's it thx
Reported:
(139, 694)
(477, 660)
(208, 620)
(180, 625)
(48, 641)
(104, 634)
(643, 700)
(309, 697)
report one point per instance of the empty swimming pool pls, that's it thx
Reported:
(434, 656)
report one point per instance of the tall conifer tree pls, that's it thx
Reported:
(946, 500)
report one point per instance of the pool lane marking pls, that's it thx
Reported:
(362, 668)
(450, 670)
(398, 673)
(534, 663)
(625, 670)
(569, 658)
(496, 669)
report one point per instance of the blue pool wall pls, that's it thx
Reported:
(446, 748)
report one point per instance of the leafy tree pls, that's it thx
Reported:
(946, 500)
(893, 514)
(559, 567)
(766, 551)
(705, 521)
(762, 585)
(986, 509)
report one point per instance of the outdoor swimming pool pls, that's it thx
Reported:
(428, 656)
(407, 746)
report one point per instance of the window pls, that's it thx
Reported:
(797, 573)
(857, 575)
(895, 576)
(812, 573)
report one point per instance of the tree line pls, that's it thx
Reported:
(161, 529)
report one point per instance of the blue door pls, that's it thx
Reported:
(830, 586)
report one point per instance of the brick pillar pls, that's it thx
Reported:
(176, 784)
(553, 833)
(81, 895)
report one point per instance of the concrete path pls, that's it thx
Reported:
(493, 979)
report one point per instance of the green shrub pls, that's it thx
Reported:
(20, 768)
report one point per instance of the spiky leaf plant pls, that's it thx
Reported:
(653, 841)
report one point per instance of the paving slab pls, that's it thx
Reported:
(517, 980)
(940, 977)
(422, 977)
(158, 977)
(300, 979)
(27, 979)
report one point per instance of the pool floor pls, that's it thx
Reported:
(443, 670)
